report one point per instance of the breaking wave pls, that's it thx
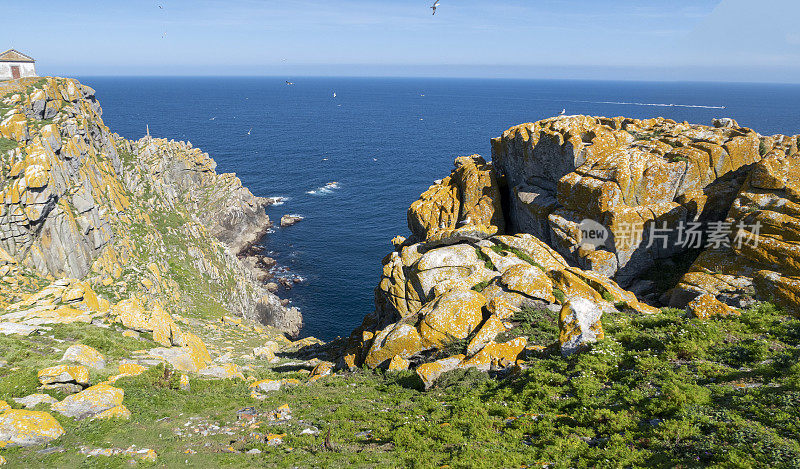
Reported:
(326, 189)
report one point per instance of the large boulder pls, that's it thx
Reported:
(28, 428)
(90, 402)
(627, 177)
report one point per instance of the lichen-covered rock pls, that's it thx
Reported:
(626, 175)
(119, 412)
(429, 296)
(85, 355)
(181, 358)
(322, 369)
(398, 363)
(469, 196)
(430, 372)
(28, 428)
(760, 255)
(706, 306)
(126, 370)
(90, 402)
(77, 201)
(579, 324)
(226, 371)
(33, 400)
(496, 355)
(64, 374)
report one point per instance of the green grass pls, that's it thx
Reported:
(7, 144)
(503, 250)
(663, 390)
(538, 325)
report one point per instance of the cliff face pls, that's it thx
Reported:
(148, 220)
(625, 174)
(499, 241)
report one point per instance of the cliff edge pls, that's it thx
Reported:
(147, 220)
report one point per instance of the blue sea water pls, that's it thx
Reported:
(383, 141)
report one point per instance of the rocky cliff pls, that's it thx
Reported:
(569, 209)
(147, 221)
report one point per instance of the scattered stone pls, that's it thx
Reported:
(33, 400)
(579, 324)
(130, 334)
(118, 412)
(78, 375)
(706, 306)
(282, 413)
(90, 402)
(226, 371)
(184, 383)
(8, 328)
(310, 431)
(273, 439)
(85, 355)
(28, 427)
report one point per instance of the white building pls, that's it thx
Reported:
(15, 64)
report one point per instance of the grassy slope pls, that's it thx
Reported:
(663, 390)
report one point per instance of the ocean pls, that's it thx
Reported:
(352, 164)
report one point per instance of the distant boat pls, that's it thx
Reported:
(334, 94)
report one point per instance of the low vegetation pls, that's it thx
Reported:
(664, 390)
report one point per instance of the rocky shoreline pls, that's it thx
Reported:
(571, 210)
(543, 309)
(103, 206)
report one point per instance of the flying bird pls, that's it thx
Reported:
(563, 111)
(435, 4)
(161, 7)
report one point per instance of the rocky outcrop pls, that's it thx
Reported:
(759, 256)
(586, 202)
(470, 196)
(628, 176)
(432, 295)
(148, 220)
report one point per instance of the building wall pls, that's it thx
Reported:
(26, 69)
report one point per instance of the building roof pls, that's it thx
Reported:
(12, 55)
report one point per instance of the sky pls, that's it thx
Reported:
(663, 40)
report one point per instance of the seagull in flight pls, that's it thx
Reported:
(435, 4)
(563, 111)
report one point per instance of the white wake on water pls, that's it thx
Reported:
(326, 189)
(624, 103)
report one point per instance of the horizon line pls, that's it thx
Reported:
(432, 77)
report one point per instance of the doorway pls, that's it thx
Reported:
(15, 72)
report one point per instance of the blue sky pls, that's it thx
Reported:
(719, 40)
